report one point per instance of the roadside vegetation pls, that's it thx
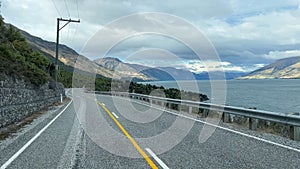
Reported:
(18, 59)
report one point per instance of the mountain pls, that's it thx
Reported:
(287, 68)
(122, 69)
(66, 55)
(218, 75)
(108, 67)
(145, 73)
(112, 67)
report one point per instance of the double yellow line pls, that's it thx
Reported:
(149, 161)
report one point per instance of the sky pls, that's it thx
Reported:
(246, 34)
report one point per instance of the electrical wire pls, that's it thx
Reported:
(67, 9)
(74, 33)
(56, 8)
(77, 9)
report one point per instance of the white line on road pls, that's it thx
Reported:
(12, 158)
(220, 127)
(158, 160)
(116, 116)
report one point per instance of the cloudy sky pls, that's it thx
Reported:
(246, 34)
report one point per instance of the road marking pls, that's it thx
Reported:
(149, 161)
(220, 127)
(116, 116)
(12, 158)
(158, 160)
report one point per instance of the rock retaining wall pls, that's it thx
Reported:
(19, 99)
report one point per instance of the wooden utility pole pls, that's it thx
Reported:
(57, 41)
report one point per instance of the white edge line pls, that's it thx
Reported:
(12, 158)
(158, 160)
(220, 127)
(115, 115)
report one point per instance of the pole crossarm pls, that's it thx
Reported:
(68, 21)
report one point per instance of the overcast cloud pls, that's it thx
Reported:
(247, 34)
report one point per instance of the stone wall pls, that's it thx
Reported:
(19, 99)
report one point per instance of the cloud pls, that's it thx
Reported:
(282, 54)
(245, 33)
(198, 66)
(260, 65)
(255, 31)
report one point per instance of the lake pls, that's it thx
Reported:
(277, 95)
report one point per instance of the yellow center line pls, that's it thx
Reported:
(149, 161)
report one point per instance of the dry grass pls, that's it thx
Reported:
(13, 128)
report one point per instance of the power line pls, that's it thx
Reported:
(67, 8)
(77, 8)
(68, 37)
(74, 32)
(56, 8)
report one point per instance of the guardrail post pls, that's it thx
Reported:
(253, 123)
(190, 109)
(295, 133)
(168, 105)
(205, 112)
(226, 117)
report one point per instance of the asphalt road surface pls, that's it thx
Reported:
(112, 132)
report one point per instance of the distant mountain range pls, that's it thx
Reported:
(159, 73)
(115, 68)
(287, 68)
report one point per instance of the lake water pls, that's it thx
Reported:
(277, 95)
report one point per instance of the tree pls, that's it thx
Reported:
(38, 59)
(18, 59)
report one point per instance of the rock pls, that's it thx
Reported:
(19, 99)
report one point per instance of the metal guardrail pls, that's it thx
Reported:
(292, 120)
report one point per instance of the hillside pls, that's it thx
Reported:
(287, 68)
(121, 69)
(18, 60)
(158, 73)
(66, 55)
(144, 72)
(113, 67)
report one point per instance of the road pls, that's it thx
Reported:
(111, 132)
